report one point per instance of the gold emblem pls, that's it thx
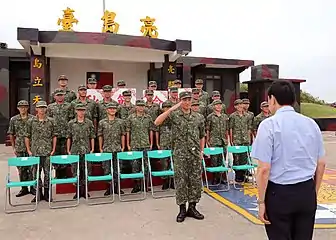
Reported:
(148, 29)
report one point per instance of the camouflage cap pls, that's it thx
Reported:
(80, 106)
(166, 104)
(140, 102)
(92, 80)
(199, 81)
(121, 83)
(195, 103)
(245, 101)
(173, 89)
(107, 88)
(112, 105)
(177, 81)
(41, 104)
(195, 90)
(152, 83)
(215, 93)
(216, 102)
(237, 101)
(62, 77)
(23, 103)
(184, 95)
(264, 104)
(81, 87)
(127, 93)
(149, 92)
(59, 91)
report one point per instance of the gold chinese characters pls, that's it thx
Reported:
(109, 25)
(68, 20)
(148, 29)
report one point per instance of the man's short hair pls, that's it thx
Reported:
(283, 91)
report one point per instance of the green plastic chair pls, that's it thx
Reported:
(250, 150)
(246, 167)
(21, 162)
(98, 158)
(65, 160)
(213, 151)
(131, 156)
(160, 154)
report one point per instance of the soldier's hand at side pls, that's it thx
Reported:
(69, 153)
(123, 149)
(158, 146)
(30, 153)
(151, 147)
(92, 150)
(101, 150)
(52, 153)
(129, 148)
(14, 151)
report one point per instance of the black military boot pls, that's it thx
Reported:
(108, 190)
(82, 192)
(116, 190)
(136, 188)
(165, 184)
(23, 192)
(182, 214)
(39, 196)
(46, 195)
(172, 185)
(33, 191)
(192, 212)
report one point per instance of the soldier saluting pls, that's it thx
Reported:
(17, 131)
(40, 141)
(63, 84)
(188, 131)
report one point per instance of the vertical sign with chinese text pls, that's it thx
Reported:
(37, 80)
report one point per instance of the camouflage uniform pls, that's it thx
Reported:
(40, 134)
(204, 96)
(258, 119)
(152, 109)
(126, 111)
(217, 127)
(17, 128)
(139, 128)
(62, 114)
(69, 94)
(187, 131)
(211, 110)
(111, 131)
(171, 100)
(91, 108)
(240, 125)
(81, 134)
(102, 104)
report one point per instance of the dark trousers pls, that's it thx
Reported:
(291, 210)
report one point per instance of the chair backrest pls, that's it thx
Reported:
(23, 161)
(159, 154)
(64, 159)
(213, 151)
(249, 148)
(129, 156)
(98, 157)
(237, 149)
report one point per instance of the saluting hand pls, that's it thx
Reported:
(176, 106)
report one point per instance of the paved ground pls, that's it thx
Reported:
(150, 219)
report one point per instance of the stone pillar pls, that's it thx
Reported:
(4, 97)
(186, 81)
(39, 80)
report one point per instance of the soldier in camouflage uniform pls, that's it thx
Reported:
(152, 85)
(111, 135)
(246, 105)
(204, 96)
(140, 131)
(153, 109)
(90, 105)
(265, 113)
(61, 112)
(217, 128)
(240, 126)
(196, 97)
(107, 94)
(92, 83)
(121, 84)
(173, 95)
(188, 130)
(40, 141)
(195, 106)
(215, 96)
(164, 141)
(80, 141)
(69, 94)
(17, 131)
(127, 108)
(177, 83)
